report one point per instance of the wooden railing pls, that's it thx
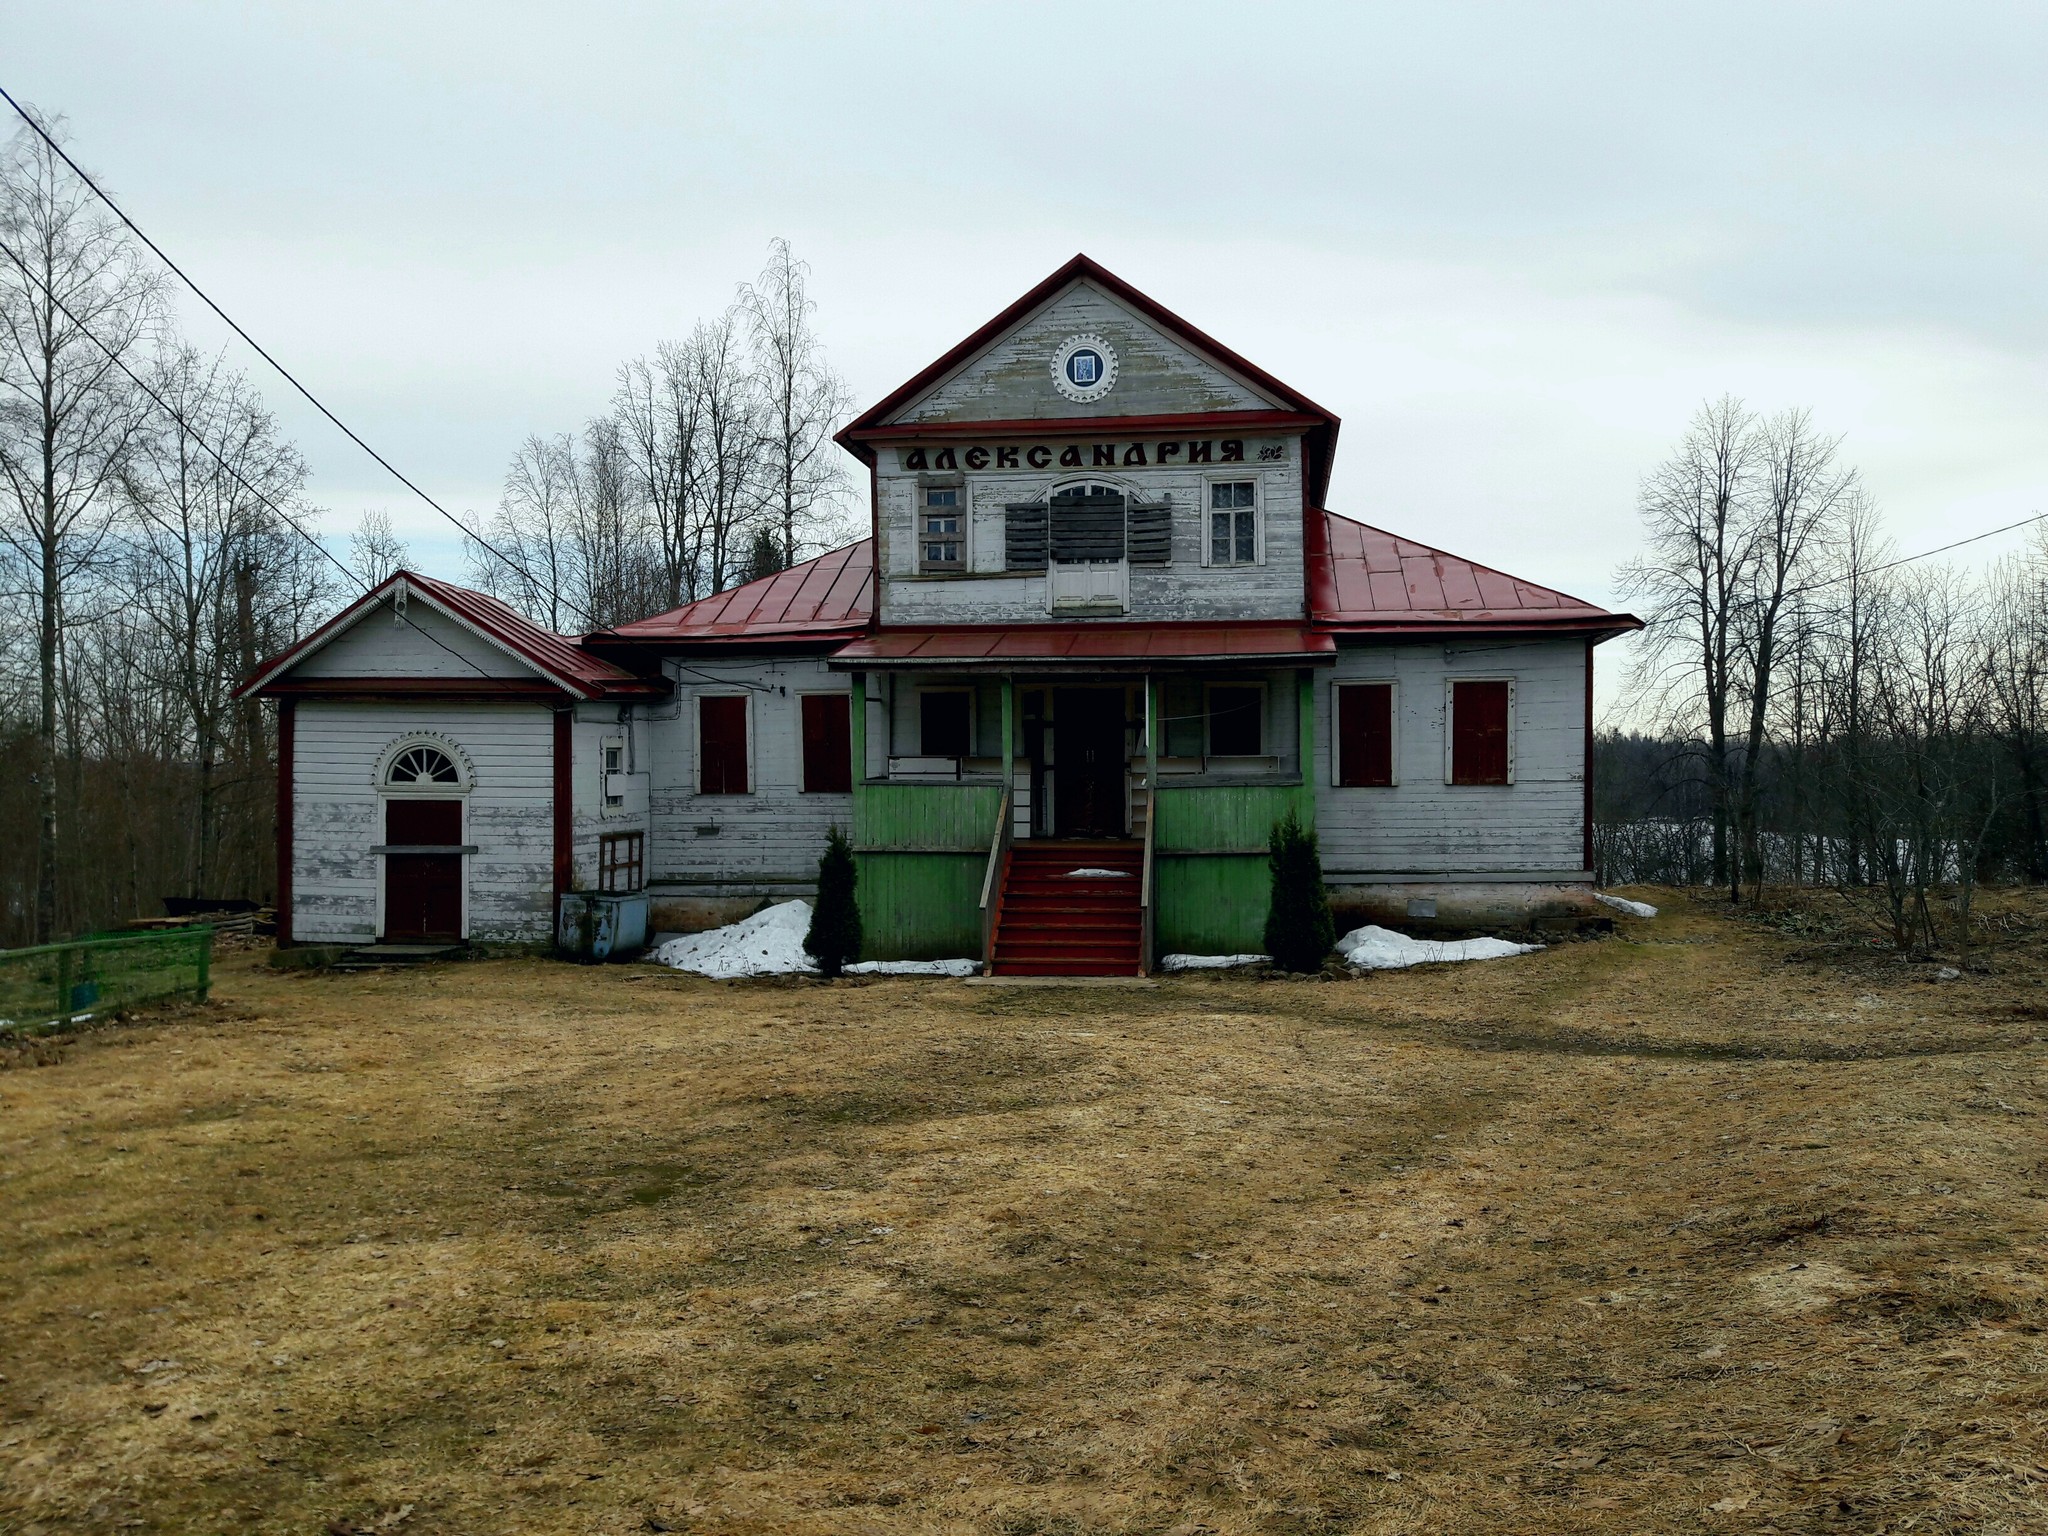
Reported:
(992, 885)
(1145, 885)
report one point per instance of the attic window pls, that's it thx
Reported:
(422, 765)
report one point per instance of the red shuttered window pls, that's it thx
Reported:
(1479, 732)
(722, 746)
(828, 744)
(1365, 735)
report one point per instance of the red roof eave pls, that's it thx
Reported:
(1099, 643)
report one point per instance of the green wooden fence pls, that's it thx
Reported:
(55, 983)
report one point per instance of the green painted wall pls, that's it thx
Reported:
(926, 816)
(1211, 905)
(921, 906)
(1227, 818)
(923, 851)
(1212, 898)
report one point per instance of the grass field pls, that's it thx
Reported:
(1715, 1225)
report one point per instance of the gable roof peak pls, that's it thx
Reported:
(858, 435)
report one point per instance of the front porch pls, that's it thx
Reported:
(1180, 773)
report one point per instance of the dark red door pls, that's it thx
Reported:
(423, 891)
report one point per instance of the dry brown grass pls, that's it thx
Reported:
(1694, 1229)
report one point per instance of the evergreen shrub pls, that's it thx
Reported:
(834, 938)
(1299, 928)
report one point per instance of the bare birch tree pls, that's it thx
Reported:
(73, 297)
(1692, 580)
(376, 552)
(802, 402)
(200, 484)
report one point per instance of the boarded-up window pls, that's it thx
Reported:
(722, 746)
(1237, 717)
(1024, 536)
(1365, 734)
(828, 744)
(1087, 524)
(942, 723)
(1479, 732)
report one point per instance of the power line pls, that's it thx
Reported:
(170, 411)
(311, 398)
(1942, 549)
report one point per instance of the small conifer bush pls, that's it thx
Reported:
(834, 938)
(1299, 929)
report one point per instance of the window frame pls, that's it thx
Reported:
(746, 698)
(1393, 687)
(1209, 752)
(634, 868)
(803, 760)
(606, 746)
(921, 691)
(1239, 476)
(1451, 733)
(925, 485)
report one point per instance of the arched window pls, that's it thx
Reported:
(422, 765)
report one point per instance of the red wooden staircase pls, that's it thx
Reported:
(1053, 921)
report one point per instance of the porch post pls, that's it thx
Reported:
(859, 746)
(1307, 710)
(1152, 738)
(1009, 739)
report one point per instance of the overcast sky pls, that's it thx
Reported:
(1512, 246)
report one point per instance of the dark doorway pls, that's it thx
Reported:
(423, 891)
(1088, 762)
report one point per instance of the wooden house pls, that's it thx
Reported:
(1102, 635)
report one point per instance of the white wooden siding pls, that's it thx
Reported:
(590, 818)
(1012, 379)
(426, 643)
(1185, 589)
(1423, 826)
(337, 815)
(771, 836)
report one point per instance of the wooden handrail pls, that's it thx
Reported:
(991, 887)
(1145, 883)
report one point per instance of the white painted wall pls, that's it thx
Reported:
(773, 835)
(425, 643)
(337, 815)
(1424, 826)
(1184, 589)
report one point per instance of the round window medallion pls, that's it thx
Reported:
(1084, 368)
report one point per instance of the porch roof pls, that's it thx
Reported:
(1096, 645)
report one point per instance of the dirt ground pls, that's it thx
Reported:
(1715, 1225)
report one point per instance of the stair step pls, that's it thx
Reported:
(1064, 943)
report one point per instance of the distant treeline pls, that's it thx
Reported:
(1822, 712)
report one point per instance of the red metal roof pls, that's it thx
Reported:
(1098, 644)
(556, 657)
(830, 597)
(1366, 579)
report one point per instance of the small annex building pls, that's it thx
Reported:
(1102, 635)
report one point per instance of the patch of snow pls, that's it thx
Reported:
(1623, 904)
(914, 968)
(1209, 962)
(1098, 874)
(1381, 949)
(770, 943)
